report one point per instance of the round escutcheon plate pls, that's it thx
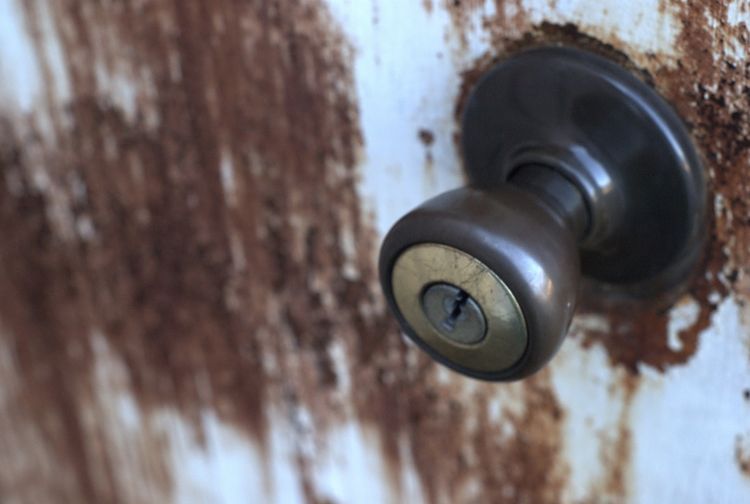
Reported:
(616, 139)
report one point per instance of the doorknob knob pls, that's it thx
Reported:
(575, 167)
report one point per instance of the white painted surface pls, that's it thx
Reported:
(404, 83)
(19, 75)
(685, 423)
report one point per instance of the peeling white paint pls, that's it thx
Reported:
(228, 467)
(682, 316)
(349, 249)
(685, 422)
(23, 82)
(341, 367)
(350, 467)
(118, 86)
(675, 440)
(228, 179)
(59, 83)
(590, 322)
(587, 387)
(19, 75)
(641, 25)
(404, 83)
(20, 79)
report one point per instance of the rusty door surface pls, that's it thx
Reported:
(192, 195)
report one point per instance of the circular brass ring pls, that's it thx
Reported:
(428, 263)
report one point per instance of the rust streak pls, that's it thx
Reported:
(463, 452)
(616, 449)
(427, 137)
(213, 217)
(742, 455)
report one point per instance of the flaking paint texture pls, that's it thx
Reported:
(198, 236)
(205, 232)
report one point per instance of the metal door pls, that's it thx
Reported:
(192, 195)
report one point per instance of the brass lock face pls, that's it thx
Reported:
(492, 335)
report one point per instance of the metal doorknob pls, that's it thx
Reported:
(575, 167)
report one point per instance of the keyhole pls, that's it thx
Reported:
(454, 313)
(454, 308)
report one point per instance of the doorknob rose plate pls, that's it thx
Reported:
(616, 139)
(575, 167)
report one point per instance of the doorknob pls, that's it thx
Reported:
(575, 167)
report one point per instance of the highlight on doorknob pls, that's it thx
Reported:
(575, 167)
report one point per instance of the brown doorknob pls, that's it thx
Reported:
(575, 167)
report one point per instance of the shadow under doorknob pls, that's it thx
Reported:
(575, 167)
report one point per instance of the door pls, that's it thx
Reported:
(191, 203)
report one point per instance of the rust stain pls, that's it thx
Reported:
(463, 453)
(637, 333)
(461, 12)
(527, 467)
(616, 449)
(742, 454)
(427, 137)
(212, 221)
